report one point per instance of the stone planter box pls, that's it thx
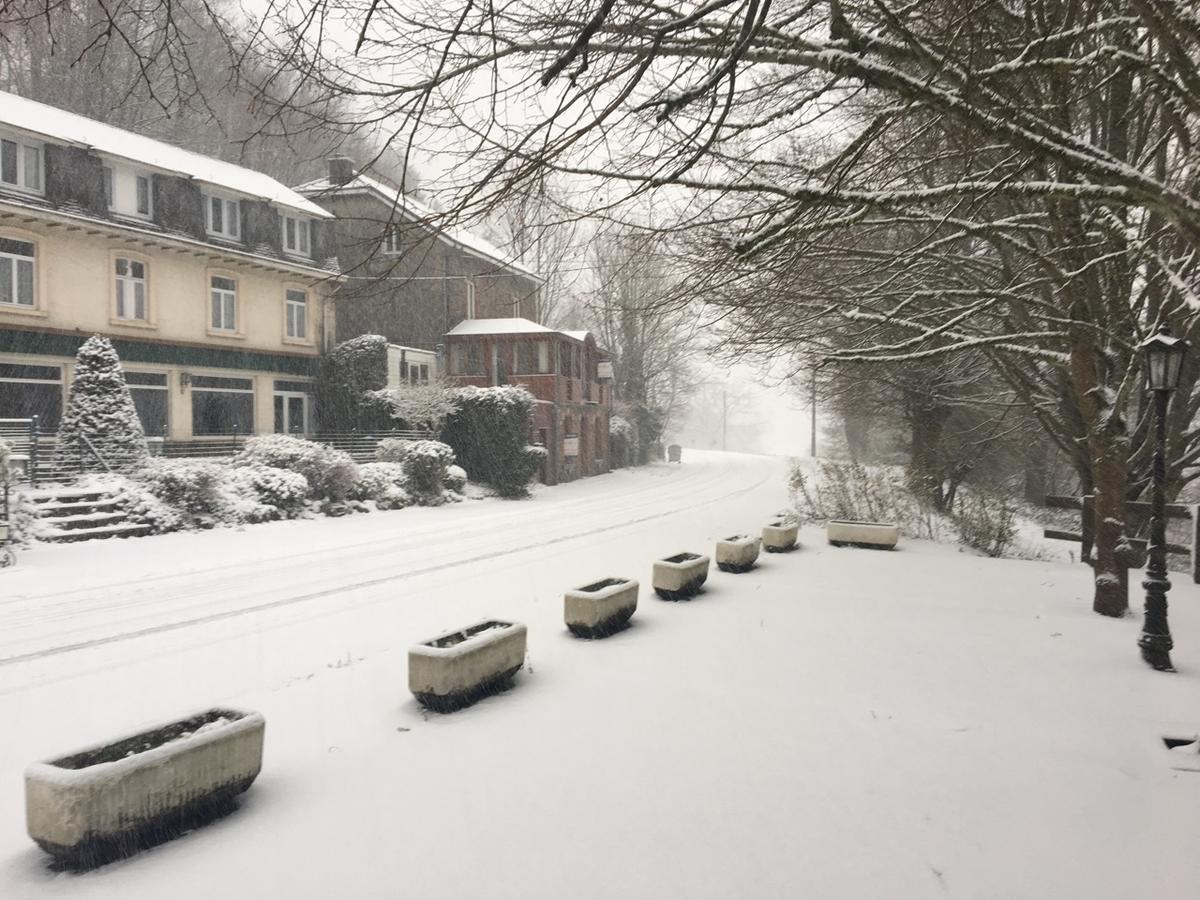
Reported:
(600, 609)
(878, 535)
(780, 536)
(457, 668)
(737, 553)
(112, 800)
(681, 576)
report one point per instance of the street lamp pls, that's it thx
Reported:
(1164, 361)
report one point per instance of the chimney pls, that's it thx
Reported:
(341, 170)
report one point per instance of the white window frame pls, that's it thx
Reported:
(301, 244)
(289, 318)
(23, 147)
(471, 298)
(125, 289)
(122, 190)
(231, 215)
(228, 300)
(391, 241)
(14, 260)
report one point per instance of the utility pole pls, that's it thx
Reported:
(812, 409)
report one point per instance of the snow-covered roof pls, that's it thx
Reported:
(578, 335)
(500, 326)
(62, 127)
(415, 209)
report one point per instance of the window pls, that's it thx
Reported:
(17, 273)
(27, 391)
(224, 303)
(150, 398)
(296, 235)
(131, 289)
(127, 191)
(222, 216)
(296, 314)
(222, 405)
(391, 242)
(21, 164)
(466, 359)
(470, 298)
(292, 407)
(533, 358)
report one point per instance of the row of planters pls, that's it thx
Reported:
(114, 799)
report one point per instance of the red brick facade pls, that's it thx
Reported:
(560, 370)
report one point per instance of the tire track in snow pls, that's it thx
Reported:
(372, 582)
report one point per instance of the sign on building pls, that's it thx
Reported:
(604, 369)
(571, 445)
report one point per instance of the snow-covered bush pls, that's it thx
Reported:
(622, 443)
(425, 468)
(139, 503)
(392, 450)
(864, 493)
(264, 494)
(384, 483)
(456, 479)
(24, 523)
(100, 414)
(192, 487)
(489, 434)
(353, 375)
(330, 473)
(985, 523)
(421, 405)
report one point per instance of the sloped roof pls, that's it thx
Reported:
(415, 210)
(62, 127)
(500, 326)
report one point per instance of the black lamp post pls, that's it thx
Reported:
(1164, 361)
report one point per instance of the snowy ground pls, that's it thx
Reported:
(838, 723)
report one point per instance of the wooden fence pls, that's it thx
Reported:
(1139, 511)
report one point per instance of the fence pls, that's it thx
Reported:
(1135, 510)
(42, 463)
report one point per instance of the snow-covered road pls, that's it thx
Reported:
(837, 723)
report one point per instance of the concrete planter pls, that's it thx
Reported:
(737, 553)
(780, 536)
(457, 668)
(681, 576)
(879, 535)
(112, 800)
(602, 608)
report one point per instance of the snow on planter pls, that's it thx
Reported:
(680, 576)
(737, 553)
(114, 799)
(457, 668)
(879, 535)
(780, 536)
(602, 608)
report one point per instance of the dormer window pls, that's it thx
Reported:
(21, 164)
(128, 191)
(222, 216)
(297, 234)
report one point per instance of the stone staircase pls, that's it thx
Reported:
(77, 514)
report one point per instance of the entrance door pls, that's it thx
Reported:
(291, 413)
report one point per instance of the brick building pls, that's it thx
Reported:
(568, 375)
(407, 278)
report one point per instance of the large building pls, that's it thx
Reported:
(407, 277)
(212, 280)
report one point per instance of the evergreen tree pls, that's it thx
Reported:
(100, 409)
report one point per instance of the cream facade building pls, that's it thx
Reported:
(213, 281)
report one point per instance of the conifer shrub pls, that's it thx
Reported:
(622, 443)
(100, 412)
(489, 434)
(425, 466)
(350, 391)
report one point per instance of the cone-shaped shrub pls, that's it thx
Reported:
(100, 409)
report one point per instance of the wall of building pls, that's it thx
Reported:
(415, 296)
(75, 292)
